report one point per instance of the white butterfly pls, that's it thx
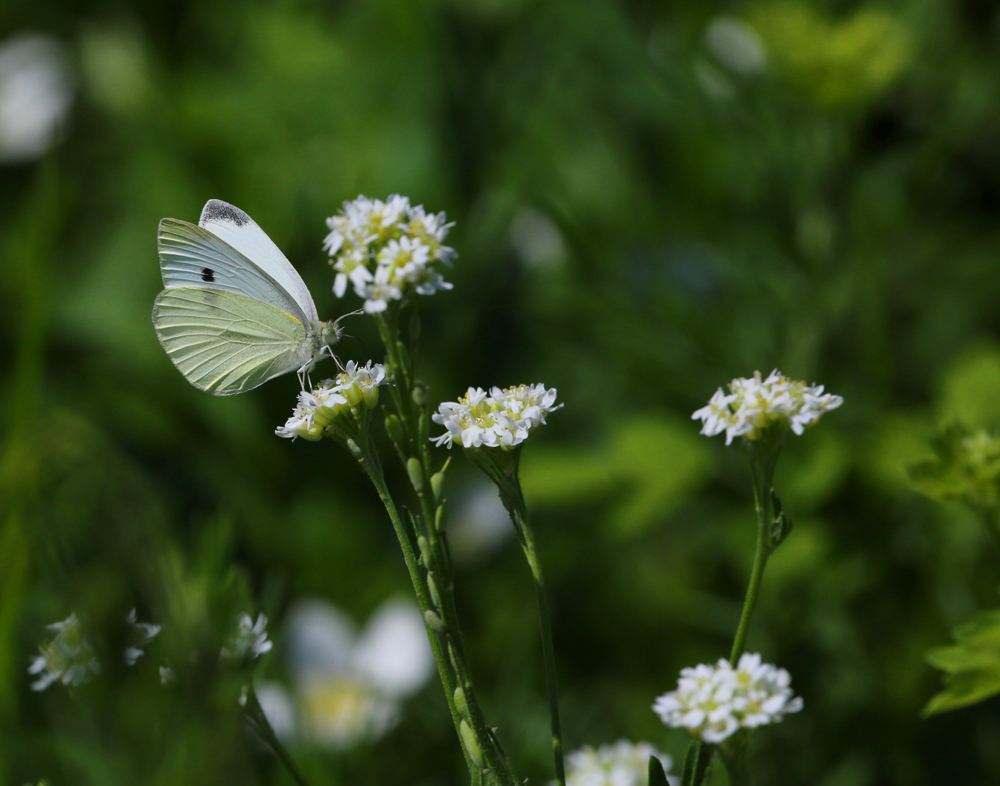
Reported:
(234, 312)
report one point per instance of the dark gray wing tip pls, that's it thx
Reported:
(219, 211)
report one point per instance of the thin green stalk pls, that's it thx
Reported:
(413, 418)
(763, 476)
(369, 461)
(522, 524)
(261, 725)
(764, 456)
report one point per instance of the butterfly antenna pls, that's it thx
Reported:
(362, 343)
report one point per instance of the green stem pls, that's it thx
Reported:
(261, 725)
(477, 723)
(522, 524)
(762, 461)
(763, 458)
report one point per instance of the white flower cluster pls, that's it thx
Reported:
(714, 702)
(386, 249)
(68, 658)
(354, 388)
(501, 418)
(755, 404)
(250, 639)
(621, 764)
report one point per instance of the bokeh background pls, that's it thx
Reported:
(650, 199)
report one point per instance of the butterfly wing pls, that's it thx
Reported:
(191, 256)
(227, 342)
(232, 225)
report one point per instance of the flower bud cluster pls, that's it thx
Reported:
(355, 389)
(714, 702)
(754, 405)
(387, 250)
(621, 764)
(502, 418)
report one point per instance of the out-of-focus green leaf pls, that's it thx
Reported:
(835, 62)
(969, 389)
(966, 466)
(972, 665)
(649, 466)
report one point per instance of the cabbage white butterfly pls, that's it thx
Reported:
(234, 313)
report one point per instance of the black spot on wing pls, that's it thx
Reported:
(207, 275)
(217, 210)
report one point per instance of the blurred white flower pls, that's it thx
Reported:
(478, 523)
(68, 658)
(387, 250)
(753, 405)
(501, 419)
(714, 702)
(36, 92)
(356, 387)
(142, 634)
(349, 686)
(736, 45)
(278, 707)
(536, 239)
(250, 639)
(621, 764)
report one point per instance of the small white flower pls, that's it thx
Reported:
(356, 387)
(754, 405)
(387, 250)
(378, 294)
(501, 419)
(142, 634)
(68, 658)
(713, 702)
(621, 764)
(250, 639)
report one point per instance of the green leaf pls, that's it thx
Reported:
(972, 665)
(657, 776)
(648, 467)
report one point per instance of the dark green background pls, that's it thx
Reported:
(834, 216)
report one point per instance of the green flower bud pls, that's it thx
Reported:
(416, 472)
(471, 744)
(354, 395)
(425, 549)
(420, 395)
(437, 483)
(432, 586)
(439, 516)
(394, 428)
(460, 703)
(355, 450)
(434, 621)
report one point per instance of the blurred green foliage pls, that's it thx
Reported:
(641, 216)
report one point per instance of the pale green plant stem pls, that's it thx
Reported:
(763, 458)
(522, 523)
(369, 462)
(508, 484)
(415, 427)
(260, 724)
